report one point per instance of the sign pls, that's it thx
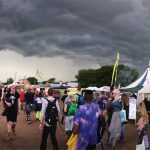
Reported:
(132, 108)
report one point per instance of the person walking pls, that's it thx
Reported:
(29, 98)
(63, 100)
(48, 120)
(22, 99)
(125, 103)
(70, 109)
(39, 101)
(115, 125)
(86, 123)
(12, 102)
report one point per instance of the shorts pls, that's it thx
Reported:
(12, 116)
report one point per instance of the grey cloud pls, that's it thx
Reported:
(95, 29)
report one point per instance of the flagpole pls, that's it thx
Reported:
(115, 72)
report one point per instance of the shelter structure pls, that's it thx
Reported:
(144, 92)
(142, 81)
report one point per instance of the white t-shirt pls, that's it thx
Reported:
(39, 100)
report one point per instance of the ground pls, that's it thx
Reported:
(28, 136)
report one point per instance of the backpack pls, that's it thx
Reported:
(72, 109)
(102, 103)
(51, 115)
(80, 99)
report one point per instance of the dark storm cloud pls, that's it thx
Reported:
(69, 28)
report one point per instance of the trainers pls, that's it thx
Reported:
(8, 137)
(29, 121)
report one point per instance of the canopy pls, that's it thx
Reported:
(92, 88)
(104, 88)
(40, 84)
(142, 81)
(144, 92)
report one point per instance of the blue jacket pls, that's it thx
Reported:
(117, 104)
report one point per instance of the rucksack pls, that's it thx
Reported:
(102, 104)
(80, 100)
(72, 109)
(51, 115)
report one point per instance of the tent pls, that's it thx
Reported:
(142, 81)
(144, 92)
(92, 88)
(40, 84)
(104, 88)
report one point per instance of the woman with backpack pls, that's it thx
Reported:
(70, 110)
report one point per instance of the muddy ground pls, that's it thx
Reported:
(28, 136)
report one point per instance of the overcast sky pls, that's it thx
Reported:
(59, 37)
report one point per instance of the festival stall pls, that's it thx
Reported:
(144, 92)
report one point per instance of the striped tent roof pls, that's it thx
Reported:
(142, 81)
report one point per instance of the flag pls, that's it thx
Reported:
(115, 71)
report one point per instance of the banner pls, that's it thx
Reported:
(132, 108)
(115, 72)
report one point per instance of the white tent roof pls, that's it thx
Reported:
(142, 81)
(144, 92)
(92, 88)
(104, 88)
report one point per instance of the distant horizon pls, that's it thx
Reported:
(21, 67)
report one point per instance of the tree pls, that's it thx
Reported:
(102, 76)
(126, 75)
(32, 80)
(51, 80)
(86, 78)
(44, 82)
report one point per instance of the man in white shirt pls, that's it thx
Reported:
(49, 125)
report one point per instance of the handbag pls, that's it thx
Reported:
(5, 112)
(123, 115)
(72, 142)
(140, 146)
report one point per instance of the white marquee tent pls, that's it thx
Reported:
(144, 92)
(142, 81)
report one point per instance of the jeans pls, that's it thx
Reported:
(122, 132)
(146, 143)
(46, 131)
(69, 123)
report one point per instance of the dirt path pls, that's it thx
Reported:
(29, 136)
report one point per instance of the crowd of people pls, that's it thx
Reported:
(88, 114)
